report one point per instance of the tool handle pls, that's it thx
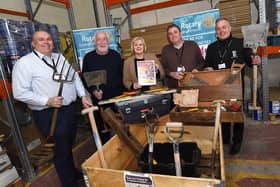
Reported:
(53, 123)
(236, 68)
(100, 150)
(216, 127)
(174, 124)
(90, 109)
(215, 137)
(97, 138)
(255, 85)
(177, 159)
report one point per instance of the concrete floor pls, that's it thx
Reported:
(258, 163)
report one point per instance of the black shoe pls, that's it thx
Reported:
(235, 148)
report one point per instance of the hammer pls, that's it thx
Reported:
(216, 130)
(96, 136)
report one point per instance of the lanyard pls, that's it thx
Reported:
(225, 51)
(181, 56)
(53, 66)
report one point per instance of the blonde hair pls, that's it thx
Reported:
(137, 38)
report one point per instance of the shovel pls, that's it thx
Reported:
(255, 35)
(175, 140)
(95, 78)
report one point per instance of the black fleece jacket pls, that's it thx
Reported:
(222, 51)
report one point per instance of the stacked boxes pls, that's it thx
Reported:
(15, 39)
(238, 13)
(8, 172)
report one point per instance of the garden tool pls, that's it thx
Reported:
(255, 35)
(151, 119)
(62, 77)
(95, 133)
(121, 130)
(234, 72)
(95, 78)
(216, 130)
(175, 140)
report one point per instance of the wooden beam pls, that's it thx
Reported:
(12, 12)
(160, 5)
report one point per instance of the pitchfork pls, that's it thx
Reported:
(62, 77)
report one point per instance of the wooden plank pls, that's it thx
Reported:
(202, 117)
(100, 178)
(149, 29)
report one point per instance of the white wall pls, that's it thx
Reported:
(159, 16)
(15, 5)
(54, 13)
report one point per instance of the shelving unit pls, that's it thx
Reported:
(27, 170)
(265, 52)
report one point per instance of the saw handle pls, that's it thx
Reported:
(236, 68)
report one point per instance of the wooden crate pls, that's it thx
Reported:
(211, 87)
(120, 158)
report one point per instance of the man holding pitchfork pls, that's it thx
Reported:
(46, 82)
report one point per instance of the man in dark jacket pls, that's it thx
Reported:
(220, 55)
(110, 61)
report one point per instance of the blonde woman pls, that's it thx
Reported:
(130, 77)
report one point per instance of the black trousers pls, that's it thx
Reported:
(237, 132)
(64, 135)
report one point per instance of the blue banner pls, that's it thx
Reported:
(199, 27)
(83, 40)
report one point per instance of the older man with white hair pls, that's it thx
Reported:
(103, 58)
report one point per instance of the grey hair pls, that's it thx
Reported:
(106, 33)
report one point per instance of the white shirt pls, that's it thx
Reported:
(32, 81)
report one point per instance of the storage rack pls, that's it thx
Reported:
(28, 172)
